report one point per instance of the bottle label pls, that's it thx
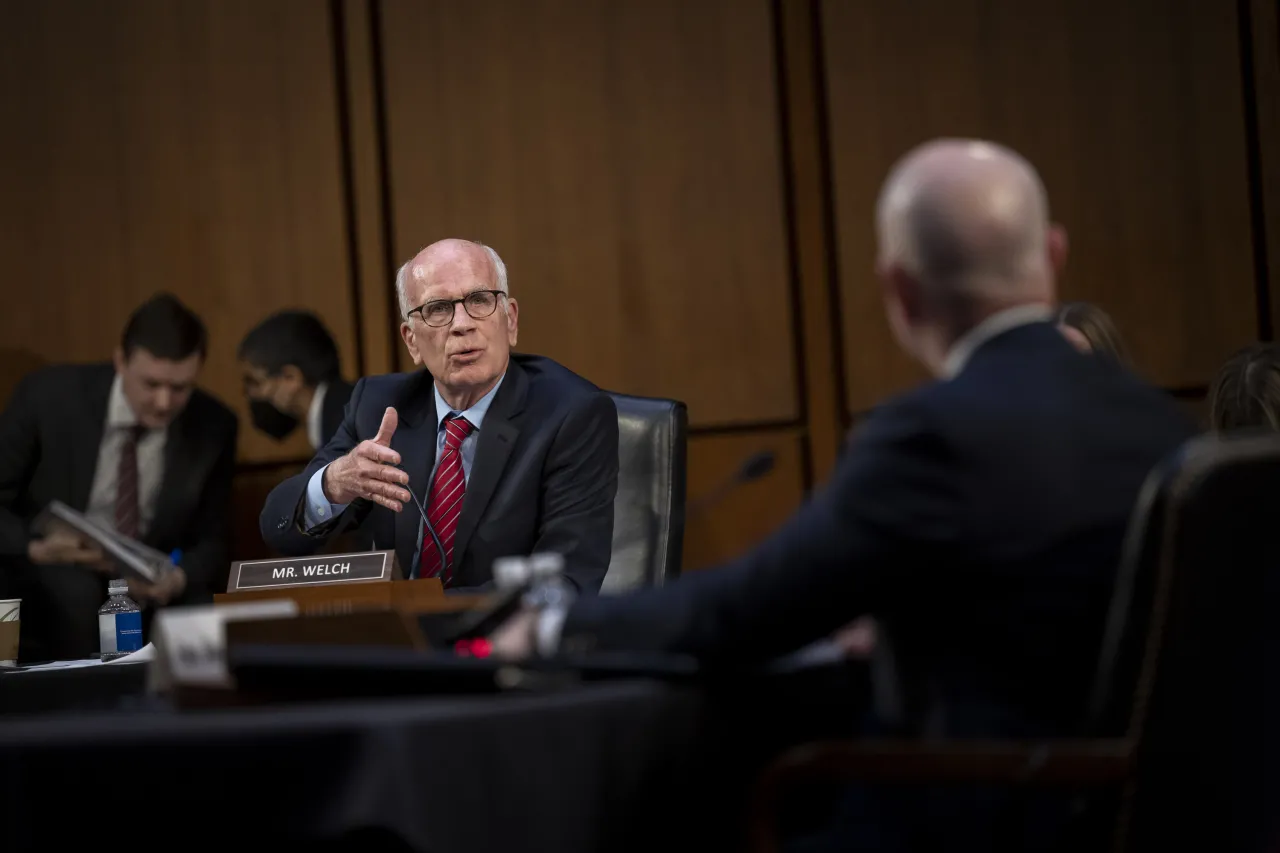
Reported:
(120, 632)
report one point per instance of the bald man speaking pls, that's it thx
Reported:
(505, 453)
(979, 517)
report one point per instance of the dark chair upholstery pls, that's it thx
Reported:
(648, 516)
(1182, 739)
(1209, 747)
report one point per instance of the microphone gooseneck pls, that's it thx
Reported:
(752, 468)
(427, 529)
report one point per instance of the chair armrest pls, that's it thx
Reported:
(1070, 763)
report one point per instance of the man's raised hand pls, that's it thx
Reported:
(369, 471)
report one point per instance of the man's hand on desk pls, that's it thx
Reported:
(369, 471)
(63, 548)
(516, 639)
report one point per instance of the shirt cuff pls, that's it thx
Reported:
(547, 630)
(319, 510)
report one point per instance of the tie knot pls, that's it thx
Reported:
(134, 433)
(456, 428)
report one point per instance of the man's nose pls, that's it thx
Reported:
(163, 399)
(462, 321)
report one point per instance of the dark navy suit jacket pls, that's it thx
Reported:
(979, 519)
(544, 476)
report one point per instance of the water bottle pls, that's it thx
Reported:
(119, 622)
(548, 588)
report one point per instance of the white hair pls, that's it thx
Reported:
(402, 276)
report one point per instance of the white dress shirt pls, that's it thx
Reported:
(102, 496)
(315, 424)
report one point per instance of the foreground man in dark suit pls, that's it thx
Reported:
(979, 518)
(509, 454)
(135, 446)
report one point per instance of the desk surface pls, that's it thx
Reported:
(609, 766)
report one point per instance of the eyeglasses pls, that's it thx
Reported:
(439, 312)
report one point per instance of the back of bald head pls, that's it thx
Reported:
(969, 221)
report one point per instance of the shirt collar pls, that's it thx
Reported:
(119, 413)
(997, 324)
(314, 411)
(475, 414)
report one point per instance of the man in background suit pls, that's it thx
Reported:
(133, 445)
(508, 454)
(979, 518)
(292, 376)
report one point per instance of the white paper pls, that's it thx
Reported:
(142, 560)
(191, 642)
(142, 655)
(145, 654)
(58, 664)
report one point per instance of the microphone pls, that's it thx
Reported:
(353, 511)
(427, 528)
(753, 468)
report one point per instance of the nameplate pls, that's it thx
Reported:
(190, 643)
(313, 571)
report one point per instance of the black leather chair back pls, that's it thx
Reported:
(648, 515)
(1127, 639)
(1207, 708)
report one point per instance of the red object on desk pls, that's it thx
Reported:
(474, 648)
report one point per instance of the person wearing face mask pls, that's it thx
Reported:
(291, 377)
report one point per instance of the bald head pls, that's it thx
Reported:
(448, 257)
(968, 220)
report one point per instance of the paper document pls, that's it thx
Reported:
(135, 558)
(142, 655)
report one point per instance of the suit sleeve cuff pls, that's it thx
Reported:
(318, 509)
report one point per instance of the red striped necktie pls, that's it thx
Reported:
(445, 507)
(128, 521)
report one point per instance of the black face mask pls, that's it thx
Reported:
(267, 418)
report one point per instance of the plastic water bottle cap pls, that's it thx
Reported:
(547, 565)
(117, 586)
(511, 572)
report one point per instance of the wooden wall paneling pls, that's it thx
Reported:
(1136, 126)
(1264, 76)
(624, 159)
(249, 492)
(191, 147)
(14, 365)
(811, 232)
(726, 528)
(374, 281)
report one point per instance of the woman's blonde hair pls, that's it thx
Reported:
(1246, 392)
(1096, 326)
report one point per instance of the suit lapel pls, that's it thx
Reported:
(179, 445)
(493, 448)
(415, 441)
(85, 451)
